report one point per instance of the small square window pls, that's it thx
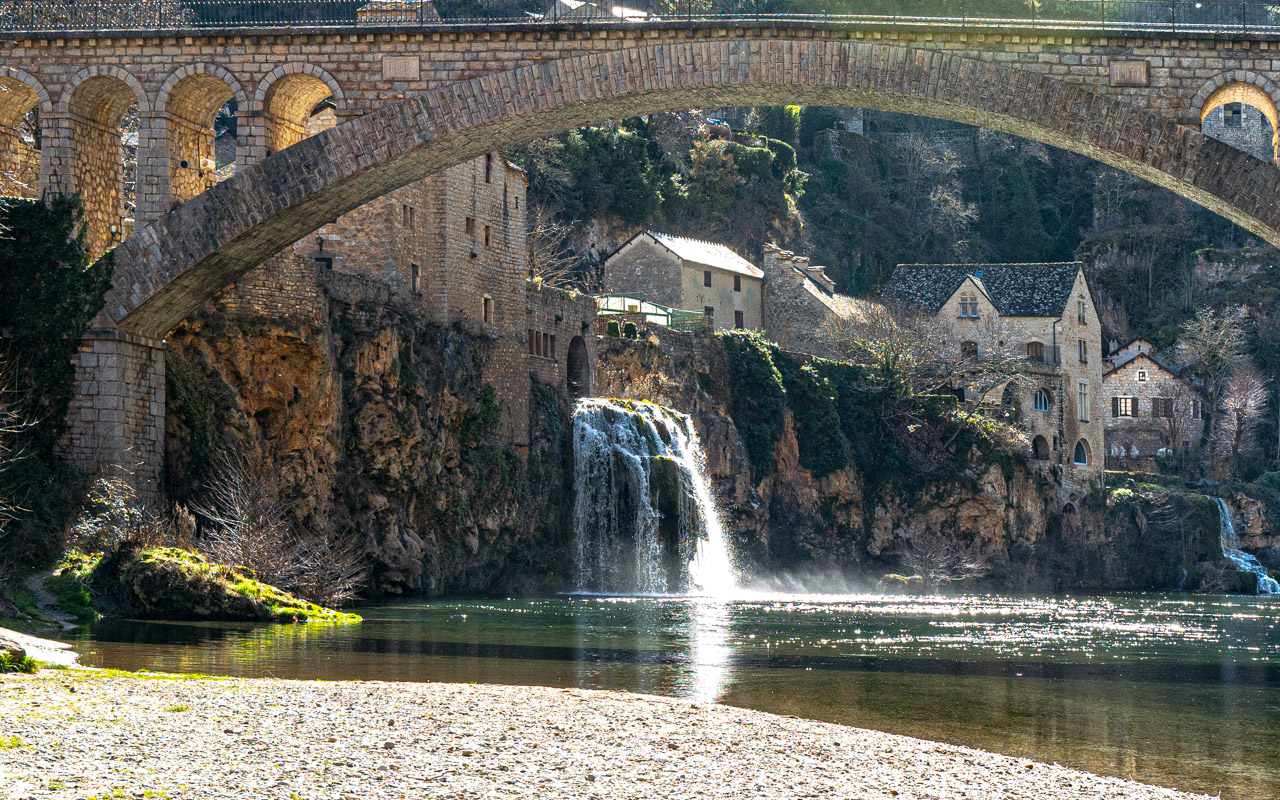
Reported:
(1142, 375)
(706, 278)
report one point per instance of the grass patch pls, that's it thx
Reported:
(11, 743)
(8, 663)
(176, 709)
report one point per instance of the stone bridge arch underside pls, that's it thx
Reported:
(166, 271)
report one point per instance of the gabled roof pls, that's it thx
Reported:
(1151, 364)
(707, 254)
(1016, 290)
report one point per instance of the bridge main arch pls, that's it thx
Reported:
(167, 270)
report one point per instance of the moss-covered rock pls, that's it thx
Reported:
(171, 583)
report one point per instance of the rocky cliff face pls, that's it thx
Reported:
(847, 529)
(380, 428)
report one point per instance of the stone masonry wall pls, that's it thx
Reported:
(555, 318)
(643, 268)
(792, 316)
(117, 413)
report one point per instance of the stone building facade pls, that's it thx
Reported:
(690, 275)
(1045, 311)
(1149, 409)
(800, 301)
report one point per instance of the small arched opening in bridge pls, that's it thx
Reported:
(298, 101)
(105, 111)
(1244, 116)
(22, 99)
(199, 106)
(1040, 448)
(578, 368)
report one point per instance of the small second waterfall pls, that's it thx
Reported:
(1242, 560)
(645, 520)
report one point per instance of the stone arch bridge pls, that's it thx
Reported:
(415, 100)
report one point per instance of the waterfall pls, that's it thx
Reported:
(645, 520)
(1242, 560)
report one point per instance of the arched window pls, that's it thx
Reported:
(1082, 453)
(969, 350)
(1042, 400)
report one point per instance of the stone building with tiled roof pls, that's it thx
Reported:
(799, 301)
(1149, 409)
(1046, 311)
(689, 274)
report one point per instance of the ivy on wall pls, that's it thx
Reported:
(51, 293)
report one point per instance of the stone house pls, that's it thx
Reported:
(451, 249)
(800, 300)
(689, 274)
(1044, 311)
(1150, 409)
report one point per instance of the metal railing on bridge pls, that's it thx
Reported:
(1136, 17)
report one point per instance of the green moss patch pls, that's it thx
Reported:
(171, 583)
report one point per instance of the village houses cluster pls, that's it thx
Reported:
(451, 249)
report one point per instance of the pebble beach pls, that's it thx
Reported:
(86, 734)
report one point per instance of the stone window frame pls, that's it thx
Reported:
(470, 227)
(408, 214)
(488, 167)
(1081, 316)
(1035, 352)
(706, 277)
(1042, 400)
(486, 310)
(1082, 447)
(1143, 376)
(1083, 347)
(1197, 409)
(739, 322)
(488, 236)
(1082, 401)
(1124, 406)
(737, 283)
(415, 278)
(968, 305)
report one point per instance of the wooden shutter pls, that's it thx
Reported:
(1115, 406)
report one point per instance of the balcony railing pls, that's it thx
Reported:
(1137, 17)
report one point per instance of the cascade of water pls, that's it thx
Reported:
(617, 445)
(1242, 560)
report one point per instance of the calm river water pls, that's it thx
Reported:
(1169, 689)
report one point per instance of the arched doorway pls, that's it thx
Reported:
(1040, 448)
(578, 368)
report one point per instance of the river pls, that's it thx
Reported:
(1176, 690)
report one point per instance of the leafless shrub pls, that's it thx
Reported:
(114, 515)
(937, 560)
(1244, 401)
(546, 241)
(1215, 578)
(250, 527)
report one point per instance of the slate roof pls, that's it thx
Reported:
(1016, 290)
(708, 254)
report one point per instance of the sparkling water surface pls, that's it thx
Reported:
(1177, 690)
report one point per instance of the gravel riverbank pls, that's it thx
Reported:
(89, 734)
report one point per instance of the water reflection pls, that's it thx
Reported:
(710, 656)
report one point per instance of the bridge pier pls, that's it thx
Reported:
(117, 411)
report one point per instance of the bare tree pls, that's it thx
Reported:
(10, 425)
(926, 354)
(937, 560)
(251, 528)
(1212, 344)
(546, 241)
(1244, 402)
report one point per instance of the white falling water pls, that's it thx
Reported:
(1242, 560)
(617, 524)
